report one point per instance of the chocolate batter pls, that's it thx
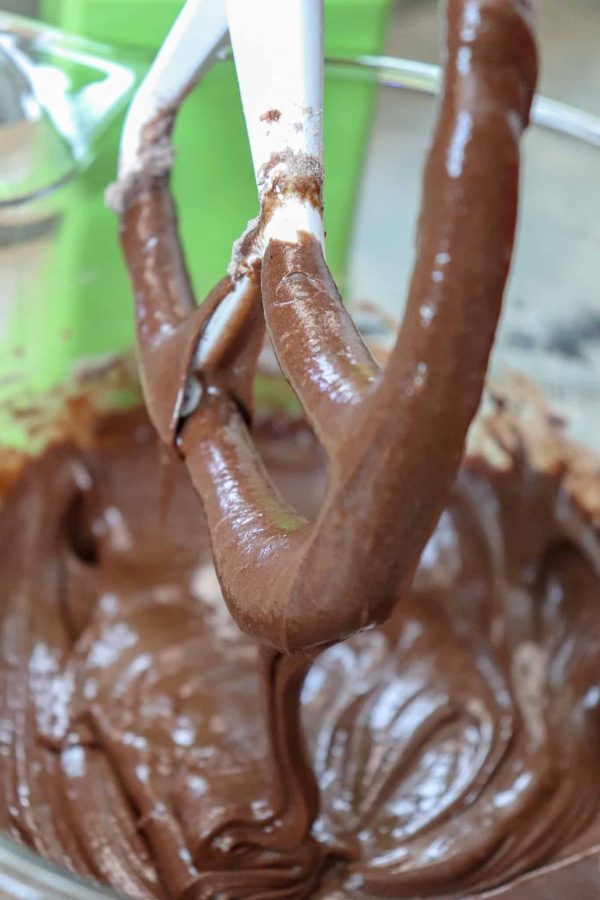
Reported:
(455, 747)
(448, 747)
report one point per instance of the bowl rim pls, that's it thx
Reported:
(426, 78)
(387, 71)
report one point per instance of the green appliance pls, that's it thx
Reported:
(78, 305)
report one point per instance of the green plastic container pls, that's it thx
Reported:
(88, 300)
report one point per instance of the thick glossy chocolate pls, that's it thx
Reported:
(147, 742)
(394, 439)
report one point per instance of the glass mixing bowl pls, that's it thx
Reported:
(551, 323)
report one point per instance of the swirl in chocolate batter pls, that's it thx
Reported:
(454, 747)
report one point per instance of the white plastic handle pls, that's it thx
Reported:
(278, 50)
(199, 32)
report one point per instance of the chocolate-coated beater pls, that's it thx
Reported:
(393, 437)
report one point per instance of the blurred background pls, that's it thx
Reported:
(64, 294)
(569, 32)
(569, 35)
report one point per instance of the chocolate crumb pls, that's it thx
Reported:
(271, 115)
